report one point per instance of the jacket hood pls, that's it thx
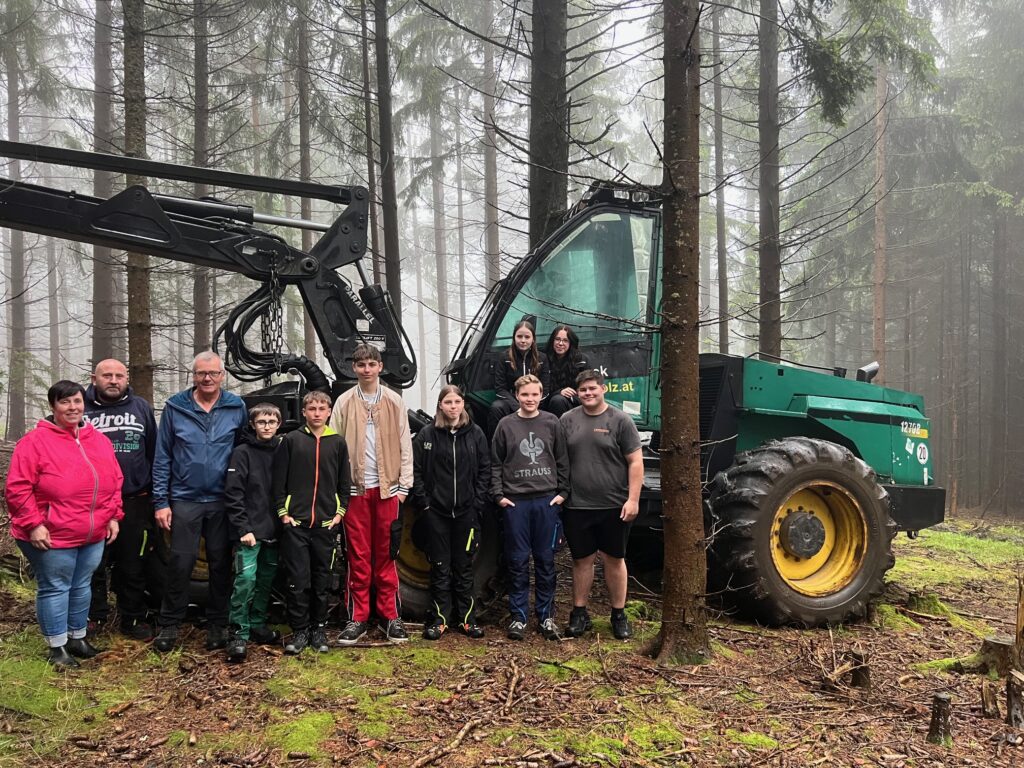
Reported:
(93, 399)
(248, 436)
(48, 424)
(183, 401)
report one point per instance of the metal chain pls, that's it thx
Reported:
(275, 324)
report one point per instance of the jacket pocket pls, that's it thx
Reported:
(396, 536)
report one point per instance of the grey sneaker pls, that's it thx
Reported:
(298, 643)
(549, 629)
(516, 630)
(394, 631)
(353, 632)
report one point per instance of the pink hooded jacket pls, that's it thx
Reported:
(67, 480)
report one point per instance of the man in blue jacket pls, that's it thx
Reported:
(194, 443)
(124, 417)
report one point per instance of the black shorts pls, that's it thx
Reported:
(590, 530)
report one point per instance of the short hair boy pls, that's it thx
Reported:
(373, 420)
(529, 481)
(311, 490)
(256, 530)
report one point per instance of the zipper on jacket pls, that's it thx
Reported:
(95, 487)
(316, 482)
(455, 476)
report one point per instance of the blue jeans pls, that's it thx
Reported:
(532, 526)
(62, 598)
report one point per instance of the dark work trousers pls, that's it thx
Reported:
(191, 520)
(126, 559)
(532, 527)
(452, 544)
(307, 555)
(559, 404)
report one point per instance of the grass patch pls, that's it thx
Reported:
(304, 733)
(751, 739)
(956, 552)
(889, 617)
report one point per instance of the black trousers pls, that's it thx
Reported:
(190, 521)
(126, 560)
(451, 545)
(307, 555)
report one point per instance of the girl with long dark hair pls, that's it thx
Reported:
(566, 363)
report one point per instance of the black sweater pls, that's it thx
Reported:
(564, 372)
(505, 374)
(528, 458)
(247, 487)
(312, 478)
(452, 470)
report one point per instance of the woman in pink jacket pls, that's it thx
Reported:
(64, 496)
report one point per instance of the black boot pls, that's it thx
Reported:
(82, 648)
(61, 659)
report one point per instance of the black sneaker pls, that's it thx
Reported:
(264, 635)
(82, 648)
(299, 641)
(61, 659)
(516, 630)
(620, 626)
(318, 639)
(579, 622)
(471, 629)
(165, 641)
(394, 631)
(433, 632)
(549, 629)
(137, 629)
(236, 651)
(216, 637)
(353, 632)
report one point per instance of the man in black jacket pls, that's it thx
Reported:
(127, 420)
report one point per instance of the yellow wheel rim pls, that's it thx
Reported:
(840, 556)
(413, 567)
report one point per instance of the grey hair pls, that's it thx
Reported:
(206, 355)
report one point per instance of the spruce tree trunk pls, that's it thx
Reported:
(103, 287)
(305, 162)
(549, 118)
(492, 252)
(371, 162)
(769, 249)
(684, 620)
(440, 247)
(460, 212)
(389, 192)
(201, 331)
(721, 234)
(878, 315)
(1000, 305)
(140, 326)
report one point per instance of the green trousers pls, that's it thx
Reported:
(254, 574)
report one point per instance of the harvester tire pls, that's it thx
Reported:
(801, 533)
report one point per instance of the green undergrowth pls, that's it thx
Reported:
(751, 739)
(889, 617)
(955, 552)
(930, 604)
(565, 670)
(302, 733)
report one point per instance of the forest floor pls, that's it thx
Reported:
(767, 697)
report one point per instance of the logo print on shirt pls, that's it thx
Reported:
(531, 447)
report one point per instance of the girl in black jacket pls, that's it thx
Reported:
(522, 358)
(451, 467)
(566, 362)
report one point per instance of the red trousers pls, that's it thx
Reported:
(373, 533)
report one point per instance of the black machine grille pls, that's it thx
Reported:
(711, 378)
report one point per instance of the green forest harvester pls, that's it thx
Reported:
(807, 475)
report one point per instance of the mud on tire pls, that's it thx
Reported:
(802, 533)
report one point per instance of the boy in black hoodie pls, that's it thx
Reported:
(312, 482)
(257, 529)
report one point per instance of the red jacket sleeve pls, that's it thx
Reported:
(21, 481)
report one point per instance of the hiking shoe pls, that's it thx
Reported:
(216, 637)
(579, 622)
(236, 649)
(549, 629)
(318, 639)
(620, 626)
(353, 632)
(82, 648)
(61, 659)
(394, 631)
(165, 641)
(516, 630)
(264, 635)
(471, 629)
(295, 646)
(433, 632)
(137, 629)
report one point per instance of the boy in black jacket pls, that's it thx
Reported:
(312, 481)
(256, 527)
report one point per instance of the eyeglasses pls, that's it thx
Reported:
(266, 422)
(206, 374)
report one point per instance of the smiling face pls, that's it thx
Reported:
(110, 380)
(523, 339)
(529, 396)
(207, 375)
(68, 411)
(560, 343)
(452, 407)
(591, 396)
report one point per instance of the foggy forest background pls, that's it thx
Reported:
(899, 179)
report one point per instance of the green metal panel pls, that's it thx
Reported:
(885, 427)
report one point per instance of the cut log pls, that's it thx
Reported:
(940, 729)
(1015, 699)
(997, 653)
(990, 699)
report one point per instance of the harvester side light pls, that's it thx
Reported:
(839, 372)
(868, 372)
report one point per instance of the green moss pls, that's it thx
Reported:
(565, 670)
(751, 739)
(303, 733)
(889, 617)
(311, 677)
(720, 649)
(430, 692)
(950, 664)
(929, 603)
(747, 696)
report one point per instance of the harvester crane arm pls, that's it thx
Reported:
(213, 233)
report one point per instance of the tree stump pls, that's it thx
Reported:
(997, 653)
(1015, 699)
(990, 700)
(860, 675)
(940, 729)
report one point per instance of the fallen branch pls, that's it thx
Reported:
(433, 755)
(511, 688)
